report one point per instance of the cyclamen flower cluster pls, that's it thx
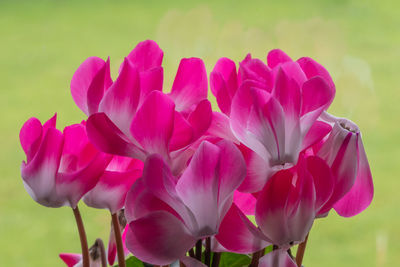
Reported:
(187, 176)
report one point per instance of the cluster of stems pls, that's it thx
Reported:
(211, 259)
(99, 242)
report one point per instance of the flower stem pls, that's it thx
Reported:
(216, 259)
(118, 240)
(256, 257)
(82, 236)
(300, 252)
(191, 253)
(207, 255)
(198, 250)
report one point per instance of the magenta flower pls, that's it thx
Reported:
(343, 150)
(161, 209)
(289, 202)
(272, 108)
(61, 167)
(113, 185)
(123, 118)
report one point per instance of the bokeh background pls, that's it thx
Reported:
(43, 42)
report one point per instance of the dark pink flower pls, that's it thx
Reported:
(132, 117)
(289, 202)
(162, 209)
(343, 150)
(273, 108)
(61, 167)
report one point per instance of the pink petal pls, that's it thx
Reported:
(183, 133)
(207, 185)
(238, 234)
(30, 137)
(93, 73)
(316, 93)
(322, 178)
(198, 189)
(150, 80)
(285, 207)
(74, 185)
(294, 71)
(122, 99)
(362, 192)
(220, 127)
(246, 202)
(223, 81)
(227, 69)
(153, 238)
(190, 84)
(340, 153)
(287, 92)
(267, 124)
(157, 178)
(277, 258)
(103, 133)
(276, 57)
(154, 137)
(110, 192)
(39, 174)
(258, 171)
(316, 133)
(146, 55)
(312, 68)
(70, 258)
(100, 83)
(200, 118)
(50, 123)
(256, 71)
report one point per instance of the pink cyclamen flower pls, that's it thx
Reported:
(123, 119)
(113, 185)
(344, 152)
(273, 107)
(162, 209)
(289, 202)
(61, 167)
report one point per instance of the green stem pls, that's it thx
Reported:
(82, 236)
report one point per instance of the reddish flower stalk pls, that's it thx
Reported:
(198, 250)
(82, 236)
(300, 252)
(191, 253)
(118, 239)
(216, 259)
(207, 256)
(256, 257)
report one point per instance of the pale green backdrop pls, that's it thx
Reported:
(43, 42)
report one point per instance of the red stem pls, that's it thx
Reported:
(118, 240)
(82, 236)
(300, 252)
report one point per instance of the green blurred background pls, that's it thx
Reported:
(43, 42)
